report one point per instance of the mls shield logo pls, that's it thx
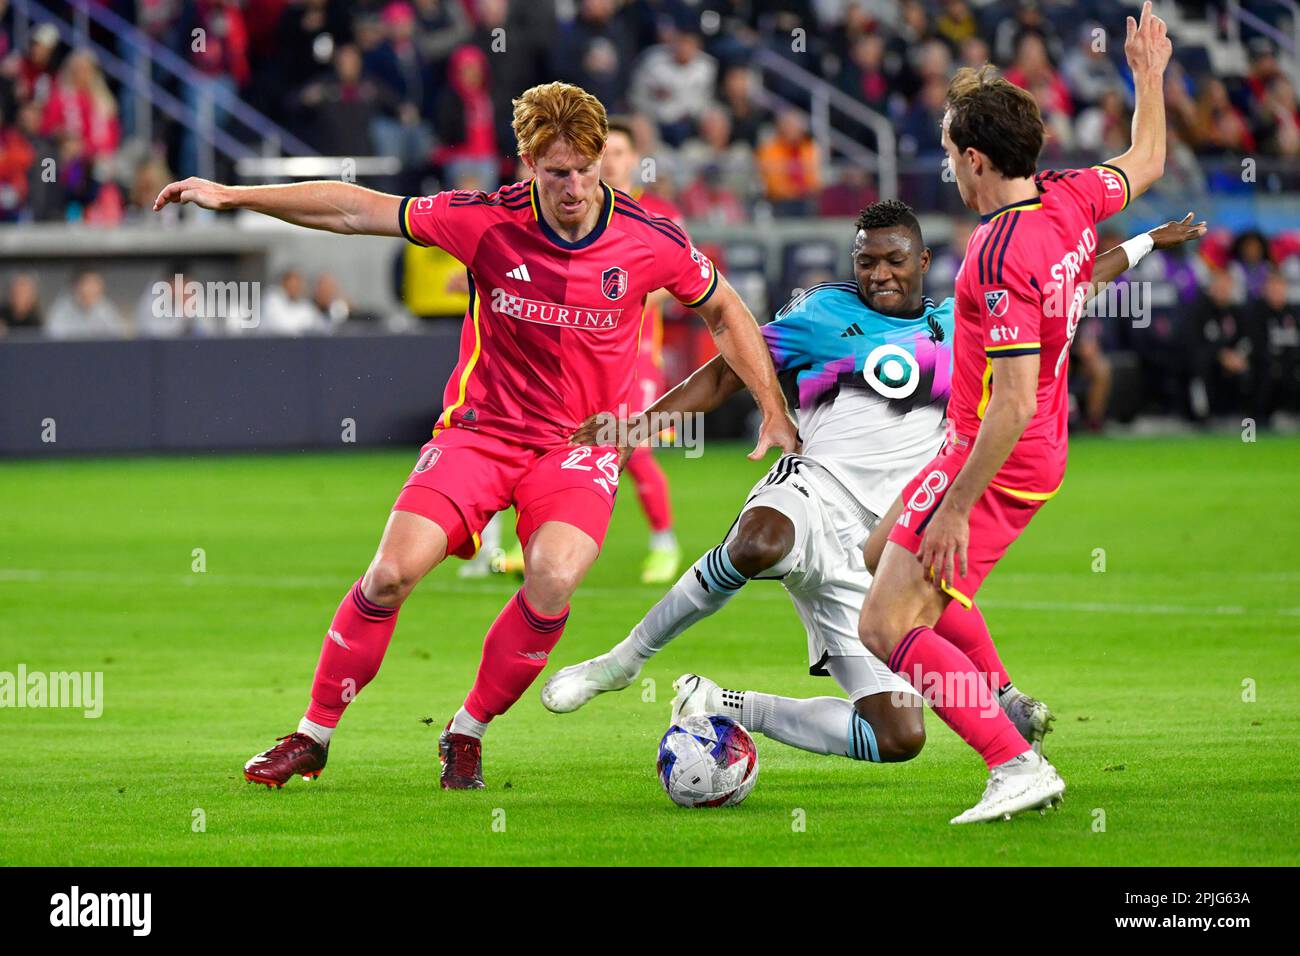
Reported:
(997, 302)
(613, 282)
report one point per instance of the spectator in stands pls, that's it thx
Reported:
(35, 68)
(749, 120)
(1277, 119)
(1088, 71)
(81, 111)
(1263, 68)
(594, 51)
(1221, 127)
(344, 109)
(956, 24)
(84, 312)
(1012, 30)
(305, 39)
(176, 306)
(218, 49)
(518, 39)
(673, 83)
(732, 164)
(864, 75)
(1103, 129)
(1032, 70)
(707, 199)
(328, 298)
(790, 165)
(441, 26)
(17, 157)
(21, 311)
(974, 52)
(1227, 354)
(1250, 263)
(148, 181)
(399, 66)
(287, 310)
(470, 155)
(1279, 324)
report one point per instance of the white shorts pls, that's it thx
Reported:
(824, 573)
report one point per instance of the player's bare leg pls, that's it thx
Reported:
(557, 557)
(966, 630)
(762, 540)
(354, 646)
(897, 625)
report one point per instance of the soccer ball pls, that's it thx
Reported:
(707, 760)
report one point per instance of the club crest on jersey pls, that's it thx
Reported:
(613, 282)
(997, 302)
(428, 460)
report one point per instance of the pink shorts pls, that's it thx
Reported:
(463, 477)
(996, 520)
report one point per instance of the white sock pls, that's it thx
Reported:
(1026, 762)
(820, 725)
(706, 586)
(317, 732)
(663, 540)
(464, 723)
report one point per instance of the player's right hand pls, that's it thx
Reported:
(202, 192)
(1146, 45)
(777, 431)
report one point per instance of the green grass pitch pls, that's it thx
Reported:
(1151, 666)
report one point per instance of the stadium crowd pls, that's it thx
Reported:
(430, 82)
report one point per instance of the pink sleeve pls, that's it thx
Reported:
(689, 274)
(451, 220)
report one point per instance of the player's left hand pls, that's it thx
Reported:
(777, 431)
(1146, 44)
(943, 546)
(1176, 233)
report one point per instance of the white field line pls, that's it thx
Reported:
(449, 584)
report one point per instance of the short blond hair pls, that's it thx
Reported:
(554, 111)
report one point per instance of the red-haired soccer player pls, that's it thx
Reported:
(1019, 294)
(560, 267)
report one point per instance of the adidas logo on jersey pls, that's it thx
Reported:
(851, 331)
(520, 272)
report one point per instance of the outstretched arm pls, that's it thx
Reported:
(1148, 49)
(742, 347)
(344, 208)
(1113, 263)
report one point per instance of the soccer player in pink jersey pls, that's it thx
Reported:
(1020, 292)
(560, 267)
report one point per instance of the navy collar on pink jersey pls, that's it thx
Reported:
(606, 213)
(1035, 203)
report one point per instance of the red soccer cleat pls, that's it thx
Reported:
(462, 761)
(296, 754)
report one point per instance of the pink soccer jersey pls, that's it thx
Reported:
(553, 327)
(1021, 290)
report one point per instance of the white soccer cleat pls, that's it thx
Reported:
(695, 695)
(571, 687)
(1027, 782)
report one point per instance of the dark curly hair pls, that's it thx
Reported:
(888, 213)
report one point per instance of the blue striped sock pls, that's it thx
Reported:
(716, 572)
(862, 740)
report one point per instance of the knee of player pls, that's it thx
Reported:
(875, 633)
(388, 582)
(761, 545)
(902, 741)
(551, 583)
